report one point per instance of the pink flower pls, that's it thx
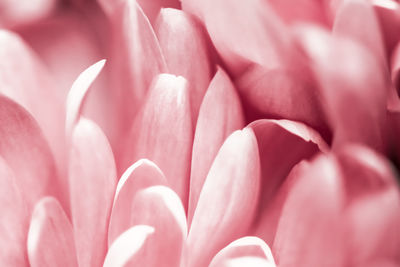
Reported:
(217, 133)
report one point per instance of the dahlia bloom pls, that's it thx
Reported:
(214, 133)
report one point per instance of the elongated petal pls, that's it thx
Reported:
(163, 132)
(24, 79)
(50, 238)
(14, 222)
(249, 246)
(92, 185)
(183, 41)
(310, 221)
(139, 176)
(275, 138)
(78, 93)
(395, 67)
(228, 199)
(135, 60)
(161, 208)
(127, 245)
(221, 111)
(26, 152)
(353, 87)
(153, 8)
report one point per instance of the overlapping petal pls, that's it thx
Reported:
(221, 111)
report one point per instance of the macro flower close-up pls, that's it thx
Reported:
(195, 133)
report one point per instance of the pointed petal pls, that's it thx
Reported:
(14, 222)
(26, 152)
(221, 111)
(309, 231)
(50, 237)
(135, 60)
(92, 185)
(153, 8)
(248, 246)
(161, 208)
(78, 93)
(275, 138)
(127, 245)
(353, 87)
(162, 132)
(228, 199)
(137, 177)
(183, 41)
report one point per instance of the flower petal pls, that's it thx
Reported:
(266, 43)
(283, 93)
(183, 41)
(25, 150)
(135, 60)
(248, 246)
(248, 261)
(92, 185)
(127, 245)
(162, 132)
(353, 87)
(24, 79)
(78, 93)
(309, 231)
(221, 111)
(50, 237)
(14, 13)
(14, 222)
(137, 177)
(275, 138)
(228, 199)
(161, 208)
(350, 21)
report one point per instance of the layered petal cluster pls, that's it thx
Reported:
(200, 133)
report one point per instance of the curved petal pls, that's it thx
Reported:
(135, 60)
(284, 93)
(14, 222)
(163, 133)
(310, 232)
(92, 185)
(248, 246)
(127, 245)
(221, 111)
(304, 11)
(353, 87)
(153, 8)
(161, 208)
(228, 199)
(350, 21)
(24, 79)
(388, 13)
(78, 93)
(137, 177)
(183, 41)
(266, 43)
(247, 261)
(50, 237)
(26, 152)
(275, 139)
(21, 12)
